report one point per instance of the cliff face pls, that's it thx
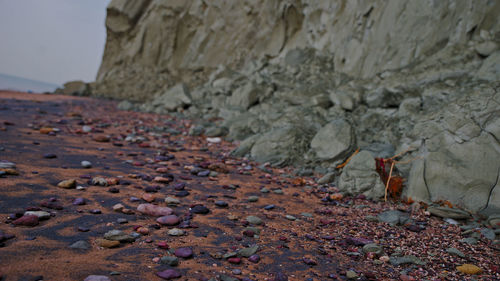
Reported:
(151, 44)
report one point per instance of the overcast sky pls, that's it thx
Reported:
(52, 40)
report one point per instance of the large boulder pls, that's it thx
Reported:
(459, 156)
(173, 98)
(334, 140)
(360, 177)
(282, 145)
(151, 44)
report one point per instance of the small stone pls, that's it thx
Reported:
(254, 258)
(80, 245)
(95, 211)
(42, 215)
(254, 220)
(148, 197)
(247, 252)
(101, 138)
(168, 220)
(469, 269)
(456, 252)
(253, 198)
(86, 164)
(200, 209)
(143, 230)
(172, 201)
(184, 252)
(214, 140)
(372, 248)
(488, 233)
(29, 220)
(99, 181)
(97, 278)
(79, 201)
(118, 235)
(67, 184)
(169, 260)
(169, 274)
(105, 243)
(154, 210)
(278, 191)
(221, 204)
(469, 240)
(264, 190)
(290, 217)
(122, 220)
(234, 260)
(49, 156)
(269, 207)
(351, 274)
(118, 207)
(175, 232)
(7, 165)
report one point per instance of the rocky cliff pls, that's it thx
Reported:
(306, 83)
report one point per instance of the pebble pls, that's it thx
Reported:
(42, 215)
(168, 220)
(86, 129)
(99, 181)
(122, 220)
(67, 184)
(7, 165)
(469, 269)
(169, 260)
(253, 198)
(172, 201)
(143, 230)
(221, 204)
(236, 271)
(118, 207)
(469, 240)
(184, 252)
(264, 190)
(278, 191)
(118, 235)
(254, 220)
(79, 201)
(80, 245)
(169, 274)
(290, 217)
(97, 278)
(248, 252)
(49, 156)
(27, 220)
(456, 252)
(269, 207)
(254, 258)
(95, 211)
(200, 209)
(86, 164)
(154, 210)
(214, 140)
(234, 260)
(372, 248)
(175, 232)
(350, 274)
(148, 197)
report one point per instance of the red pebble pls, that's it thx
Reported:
(163, 245)
(234, 260)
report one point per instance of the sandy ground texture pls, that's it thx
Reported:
(225, 218)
